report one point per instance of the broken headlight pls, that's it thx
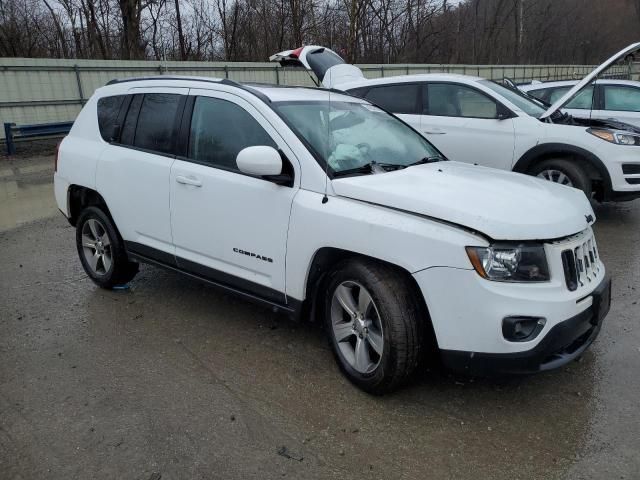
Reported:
(510, 263)
(619, 138)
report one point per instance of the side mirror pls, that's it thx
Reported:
(259, 161)
(265, 162)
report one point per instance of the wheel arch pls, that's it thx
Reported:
(80, 197)
(595, 166)
(322, 263)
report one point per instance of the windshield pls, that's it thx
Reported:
(351, 135)
(524, 103)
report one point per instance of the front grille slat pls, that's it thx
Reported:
(581, 264)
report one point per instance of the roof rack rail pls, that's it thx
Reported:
(224, 81)
(253, 91)
(116, 81)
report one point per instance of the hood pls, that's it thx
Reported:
(567, 97)
(327, 65)
(501, 205)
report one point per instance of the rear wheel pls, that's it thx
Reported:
(565, 172)
(101, 250)
(373, 321)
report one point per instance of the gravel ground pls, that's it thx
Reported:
(173, 378)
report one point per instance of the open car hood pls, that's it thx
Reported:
(501, 205)
(329, 67)
(567, 97)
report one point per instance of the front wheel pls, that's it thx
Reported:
(101, 250)
(373, 321)
(565, 172)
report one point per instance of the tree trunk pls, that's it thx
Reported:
(130, 45)
(183, 50)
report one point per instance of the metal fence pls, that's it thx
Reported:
(51, 90)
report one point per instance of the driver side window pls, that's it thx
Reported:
(453, 100)
(220, 129)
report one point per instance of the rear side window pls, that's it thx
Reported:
(220, 129)
(396, 98)
(108, 110)
(624, 99)
(452, 100)
(155, 127)
(129, 127)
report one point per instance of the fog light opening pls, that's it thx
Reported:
(522, 329)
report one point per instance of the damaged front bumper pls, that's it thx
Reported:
(562, 344)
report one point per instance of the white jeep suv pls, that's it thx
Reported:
(321, 205)
(475, 120)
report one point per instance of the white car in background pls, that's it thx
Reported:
(610, 100)
(478, 121)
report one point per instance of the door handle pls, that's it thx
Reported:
(188, 181)
(435, 131)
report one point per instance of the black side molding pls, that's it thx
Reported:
(251, 291)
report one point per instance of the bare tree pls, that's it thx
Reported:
(131, 44)
(431, 31)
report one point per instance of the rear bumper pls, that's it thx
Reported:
(565, 342)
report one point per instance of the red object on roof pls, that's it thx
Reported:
(296, 52)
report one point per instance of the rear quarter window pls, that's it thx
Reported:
(108, 111)
(396, 98)
(155, 127)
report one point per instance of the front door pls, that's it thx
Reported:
(228, 226)
(463, 123)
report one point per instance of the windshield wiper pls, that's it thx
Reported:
(371, 167)
(380, 167)
(422, 161)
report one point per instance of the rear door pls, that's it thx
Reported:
(620, 102)
(228, 226)
(402, 99)
(134, 169)
(464, 123)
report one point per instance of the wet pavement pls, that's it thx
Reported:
(174, 378)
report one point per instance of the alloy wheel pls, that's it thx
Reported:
(556, 176)
(357, 327)
(96, 246)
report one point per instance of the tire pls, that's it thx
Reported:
(101, 250)
(564, 171)
(390, 331)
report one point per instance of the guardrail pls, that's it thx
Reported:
(38, 91)
(13, 132)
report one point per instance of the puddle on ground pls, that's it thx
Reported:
(26, 192)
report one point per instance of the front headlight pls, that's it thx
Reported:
(510, 263)
(617, 137)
